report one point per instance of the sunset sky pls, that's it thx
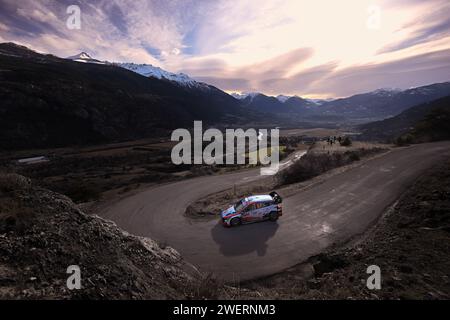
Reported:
(313, 48)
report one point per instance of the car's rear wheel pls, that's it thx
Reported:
(235, 222)
(273, 216)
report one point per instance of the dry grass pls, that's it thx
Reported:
(205, 287)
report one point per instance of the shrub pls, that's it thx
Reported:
(353, 156)
(80, 191)
(207, 286)
(404, 140)
(314, 164)
(347, 142)
(310, 166)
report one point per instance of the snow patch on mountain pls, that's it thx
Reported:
(243, 95)
(283, 98)
(85, 58)
(319, 102)
(146, 70)
(386, 91)
(149, 70)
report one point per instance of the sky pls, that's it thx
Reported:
(310, 48)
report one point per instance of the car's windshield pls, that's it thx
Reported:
(239, 205)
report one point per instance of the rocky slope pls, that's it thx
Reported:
(42, 233)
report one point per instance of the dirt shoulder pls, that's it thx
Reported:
(410, 244)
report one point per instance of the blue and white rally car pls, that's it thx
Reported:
(252, 209)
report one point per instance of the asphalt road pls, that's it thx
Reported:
(342, 206)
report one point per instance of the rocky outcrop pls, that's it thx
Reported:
(42, 233)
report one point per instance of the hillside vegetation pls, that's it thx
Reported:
(425, 122)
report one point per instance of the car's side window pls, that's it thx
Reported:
(260, 205)
(250, 207)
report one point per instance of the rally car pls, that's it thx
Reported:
(252, 209)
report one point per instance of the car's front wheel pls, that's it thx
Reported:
(235, 222)
(273, 216)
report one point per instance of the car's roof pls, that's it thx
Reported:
(259, 198)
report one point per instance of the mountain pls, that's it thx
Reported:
(320, 101)
(262, 103)
(301, 105)
(379, 104)
(47, 102)
(85, 58)
(360, 108)
(147, 70)
(428, 121)
(10, 49)
(293, 108)
(282, 98)
(244, 95)
(433, 127)
(384, 103)
(317, 102)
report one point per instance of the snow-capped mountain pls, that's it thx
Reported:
(149, 70)
(85, 58)
(127, 105)
(244, 95)
(319, 102)
(283, 98)
(377, 104)
(146, 70)
(238, 96)
(386, 91)
(386, 102)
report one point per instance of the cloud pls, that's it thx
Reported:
(3, 27)
(403, 73)
(432, 26)
(108, 27)
(273, 46)
(228, 84)
(328, 80)
(37, 15)
(278, 66)
(300, 83)
(249, 77)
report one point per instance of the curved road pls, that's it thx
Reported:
(342, 206)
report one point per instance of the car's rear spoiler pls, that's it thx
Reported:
(276, 197)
